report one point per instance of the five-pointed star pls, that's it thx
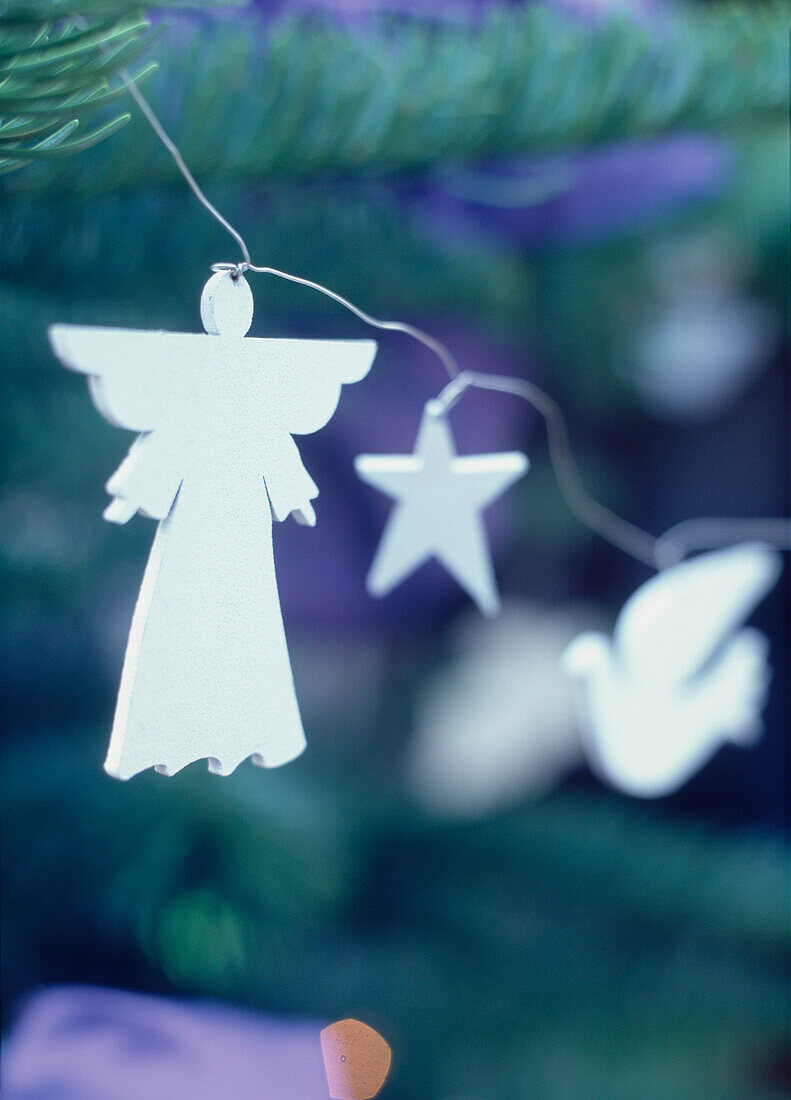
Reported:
(439, 497)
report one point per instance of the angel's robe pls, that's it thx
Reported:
(207, 672)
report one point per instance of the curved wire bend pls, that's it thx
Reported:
(445, 356)
(619, 532)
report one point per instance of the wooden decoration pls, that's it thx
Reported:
(439, 499)
(356, 1058)
(680, 676)
(207, 672)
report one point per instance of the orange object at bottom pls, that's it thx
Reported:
(356, 1060)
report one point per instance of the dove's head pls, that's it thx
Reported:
(585, 655)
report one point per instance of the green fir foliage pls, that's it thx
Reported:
(59, 63)
(309, 98)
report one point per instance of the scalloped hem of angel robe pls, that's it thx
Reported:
(207, 673)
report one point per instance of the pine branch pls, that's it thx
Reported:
(310, 98)
(57, 63)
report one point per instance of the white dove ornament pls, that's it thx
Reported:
(681, 676)
(206, 672)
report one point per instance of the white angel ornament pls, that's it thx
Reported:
(682, 675)
(207, 672)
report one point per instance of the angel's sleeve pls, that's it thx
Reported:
(148, 479)
(137, 381)
(289, 486)
(300, 385)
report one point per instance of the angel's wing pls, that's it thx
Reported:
(148, 382)
(137, 379)
(674, 623)
(202, 398)
(140, 380)
(303, 378)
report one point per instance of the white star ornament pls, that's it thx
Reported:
(439, 499)
(681, 676)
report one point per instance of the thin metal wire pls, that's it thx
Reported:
(632, 540)
(706, 533)
(172, 148)
(662, 552)
(445, 356)
(658, 553)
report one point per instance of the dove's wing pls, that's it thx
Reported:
(674, 623)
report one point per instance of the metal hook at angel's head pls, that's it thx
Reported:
(226, 305)
(234, 270)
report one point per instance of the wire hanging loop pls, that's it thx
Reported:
(234, 270)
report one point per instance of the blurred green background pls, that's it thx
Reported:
(592, 196)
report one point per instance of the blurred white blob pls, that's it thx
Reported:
(708, 341)
(498, 724)
(679, 678)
